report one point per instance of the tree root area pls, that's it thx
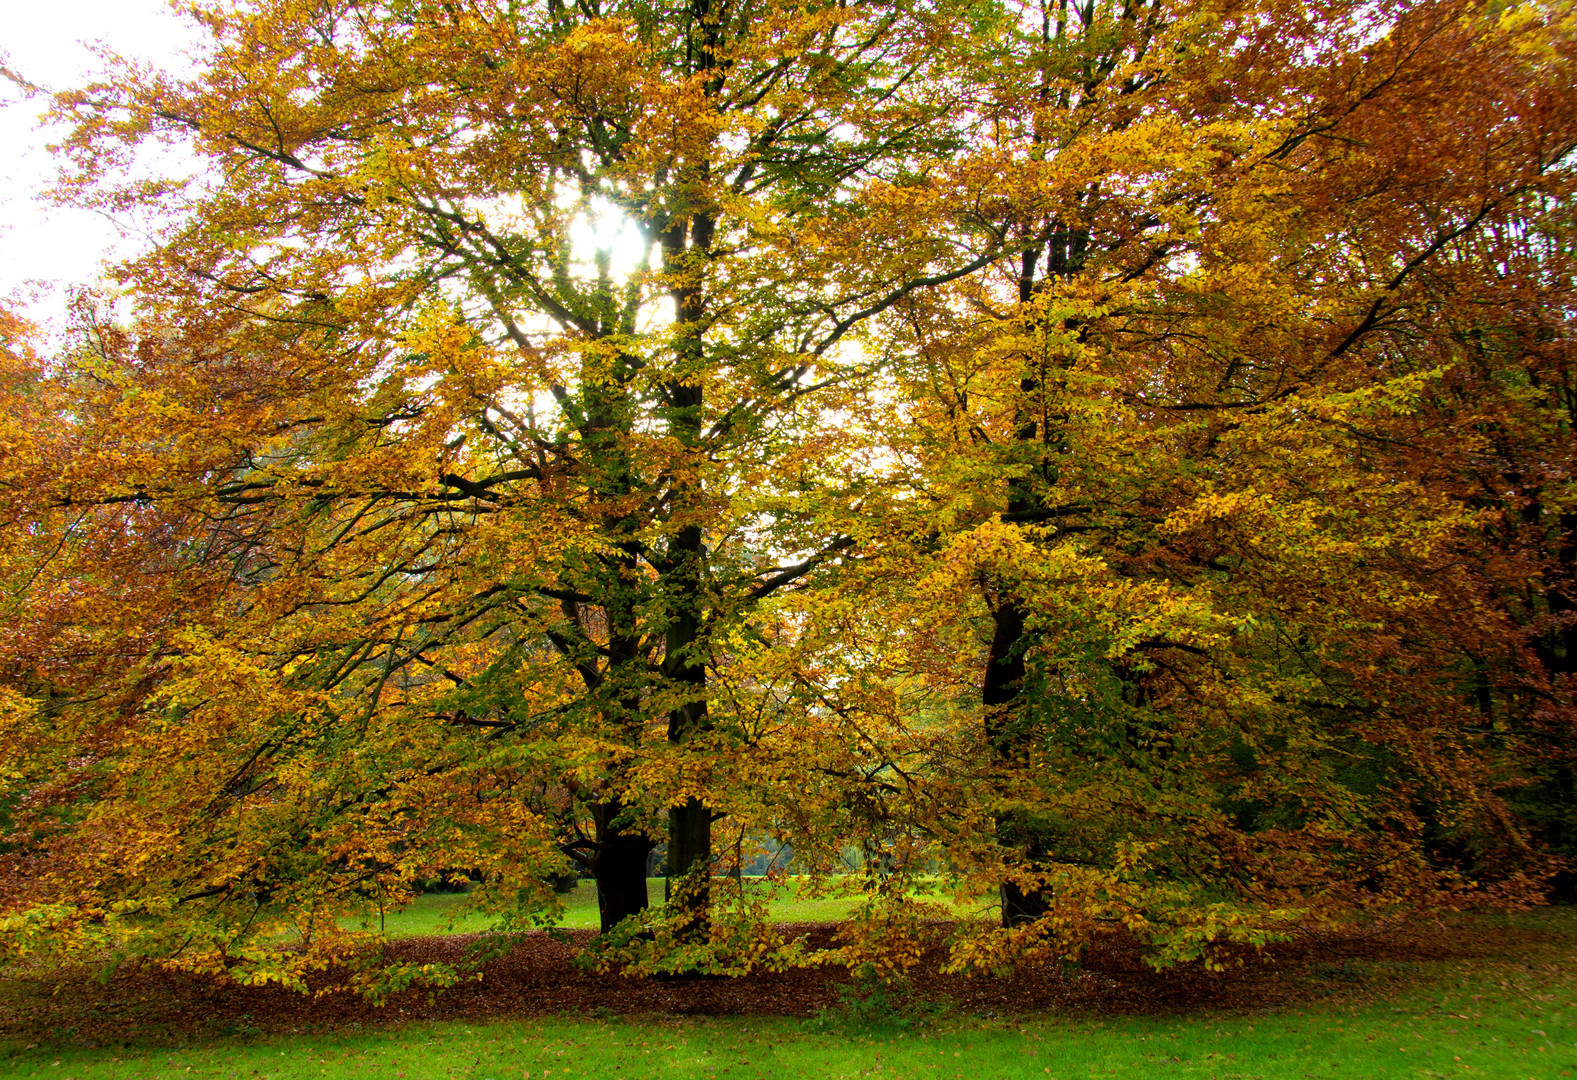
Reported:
(538, 977)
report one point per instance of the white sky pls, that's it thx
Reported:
(44, 249)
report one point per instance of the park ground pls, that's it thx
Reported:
(1471, 995)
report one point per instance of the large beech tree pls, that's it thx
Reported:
(1024, 441)
(1177, 481)
(476, 400)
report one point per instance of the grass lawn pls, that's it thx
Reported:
(1460, 1023)
(442, 913)
(1510, 1016)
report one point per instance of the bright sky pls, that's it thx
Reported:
(43, 248)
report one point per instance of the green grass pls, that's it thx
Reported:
(1511, 1019)
(1464, 1024)
(1508, 1016)
(443, 913)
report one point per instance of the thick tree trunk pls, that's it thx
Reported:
(690, 864)
(619, 867)
(618, 860)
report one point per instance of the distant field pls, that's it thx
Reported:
(446, 913)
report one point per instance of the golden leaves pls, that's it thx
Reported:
(1012, 472)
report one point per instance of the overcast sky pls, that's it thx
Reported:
(44, 249)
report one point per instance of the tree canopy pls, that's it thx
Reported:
(1113, 457)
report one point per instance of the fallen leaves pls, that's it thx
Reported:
(538, 977)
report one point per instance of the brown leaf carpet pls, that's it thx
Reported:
(538, 978)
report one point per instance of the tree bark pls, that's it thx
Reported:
(690, 822)
(1003, 691)
(687, 246)
(619, 867)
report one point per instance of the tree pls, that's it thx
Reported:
(482, 389)
(953, 432)
(1166, 459)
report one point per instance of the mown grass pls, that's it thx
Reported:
(1512, 1018)
(1459, 1027)
(446, 913)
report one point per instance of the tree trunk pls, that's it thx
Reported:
(690, 822)
(690, 865)
(1003, 692)
(686, 248)
(618, 866)
(1004, 685)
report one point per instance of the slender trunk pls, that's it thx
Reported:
(1002, 696)
(686, 247)
(1007, 728)
(1558, 647)
(690, 822)
(1557, 650)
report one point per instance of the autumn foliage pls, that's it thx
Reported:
(1114, 458)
